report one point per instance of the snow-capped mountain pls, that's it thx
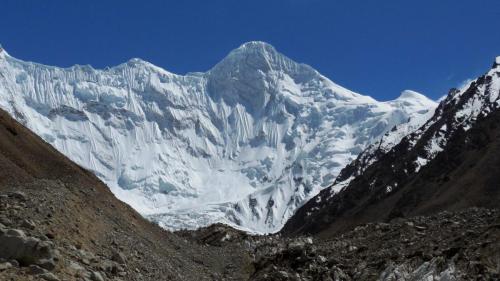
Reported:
(244, 143)
(449, 162)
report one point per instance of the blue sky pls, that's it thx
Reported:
(378, 48)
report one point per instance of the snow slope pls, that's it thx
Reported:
(377, 149)
(245, 143)
(442, 162)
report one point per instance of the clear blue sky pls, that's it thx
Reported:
(374, 47)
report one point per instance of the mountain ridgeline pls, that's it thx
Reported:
(244, 143)
(449, 163)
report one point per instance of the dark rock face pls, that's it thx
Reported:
(450, 163)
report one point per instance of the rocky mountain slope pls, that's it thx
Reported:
(441, 247)
(59, 222)
(244, 143)
(449, 163)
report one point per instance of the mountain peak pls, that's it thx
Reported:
(410, 98)
(410, 94)
(497, 62)
(244, 75)
(255, 55)
(3, 53)
(414, 97)
(138, 62)
(256, 46)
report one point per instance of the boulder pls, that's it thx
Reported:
(49, 276)
(118, 257)
(28, 224)
(14, 244)
(96, 276)
(18, 195)
(35, 270)
(5, 265)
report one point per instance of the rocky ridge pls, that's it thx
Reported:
(439, 166)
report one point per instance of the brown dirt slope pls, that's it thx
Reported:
(55, 209)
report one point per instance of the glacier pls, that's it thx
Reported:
(245, 143)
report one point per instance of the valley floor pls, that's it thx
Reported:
(461, 245)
